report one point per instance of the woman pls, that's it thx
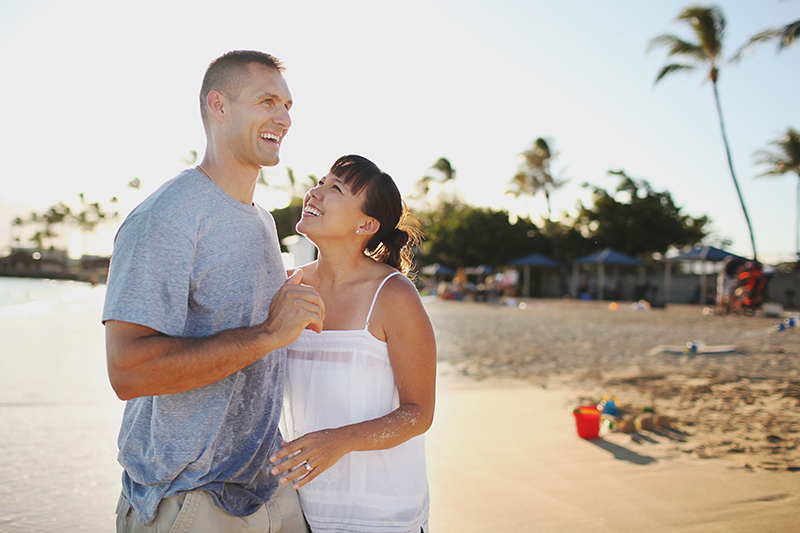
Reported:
(360, 394)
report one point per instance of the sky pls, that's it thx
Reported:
(99, 92)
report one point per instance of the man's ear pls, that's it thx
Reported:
(217, 105)
(370, 226)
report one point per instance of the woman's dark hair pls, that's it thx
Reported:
(399, 231)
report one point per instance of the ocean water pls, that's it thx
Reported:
(59, 417)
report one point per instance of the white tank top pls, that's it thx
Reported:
(341, 377)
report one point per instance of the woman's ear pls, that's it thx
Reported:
(370, 226)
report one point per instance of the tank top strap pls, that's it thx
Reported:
(375, 298)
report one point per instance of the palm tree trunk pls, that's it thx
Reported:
(797, 222)
(562, 274)
(733, 174)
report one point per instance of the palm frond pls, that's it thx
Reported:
(773, 163)
(669, 69)
(443, 165)
(543, 147)
(518, 185)
(790, 34)
(708, 24)
(790, 145)
(764, 36)
(786, 37)
(785, 158)
(678, 47)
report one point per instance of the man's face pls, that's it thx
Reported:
(258, 118)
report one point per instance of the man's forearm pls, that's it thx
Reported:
(144, 362)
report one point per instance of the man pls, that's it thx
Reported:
(197, 313)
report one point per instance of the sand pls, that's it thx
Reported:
(504, 454)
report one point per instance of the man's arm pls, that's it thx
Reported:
(144, 362)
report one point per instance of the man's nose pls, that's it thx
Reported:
(283, 119)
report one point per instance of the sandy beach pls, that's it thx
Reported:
(503, 453)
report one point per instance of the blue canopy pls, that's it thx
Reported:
(704, 253)
(482, 270)
(609, 257)
(436, 268)
(534, 260)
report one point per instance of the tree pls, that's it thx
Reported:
(784, 159)
(443, 174)
(459, 234)
(640, 223)
(708, 25)
(786, 37)
(87, 219)
(534, 175)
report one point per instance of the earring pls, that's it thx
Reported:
(358, 231)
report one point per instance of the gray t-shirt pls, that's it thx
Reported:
(191, 261)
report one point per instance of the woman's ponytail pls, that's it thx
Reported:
(399, 231)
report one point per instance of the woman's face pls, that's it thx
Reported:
(331, 210)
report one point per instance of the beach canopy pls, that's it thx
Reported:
(534, 259)
(436, 268)
(704, 253)
(482, 270)
(698, 253)
(608, 257)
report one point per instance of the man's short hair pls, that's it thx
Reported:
(228, 74)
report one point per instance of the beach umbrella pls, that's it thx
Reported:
(607, 256)
(532, 260)
(436, 269)
(702, 253)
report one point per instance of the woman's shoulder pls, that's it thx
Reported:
(397, 289)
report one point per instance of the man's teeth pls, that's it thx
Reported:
(270, 137)
(312, 211)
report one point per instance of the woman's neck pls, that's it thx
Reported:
(342, 265)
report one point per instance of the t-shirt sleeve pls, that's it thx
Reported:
(150, 275)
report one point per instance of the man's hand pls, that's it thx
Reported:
(143, 362)
(294, 307)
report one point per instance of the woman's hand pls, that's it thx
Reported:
(305, 458)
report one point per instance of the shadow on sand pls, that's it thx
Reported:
(623, 454)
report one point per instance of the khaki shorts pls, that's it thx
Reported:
(196, 512)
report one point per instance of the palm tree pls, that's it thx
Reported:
(786, 37)
(534, 175)
(785, 158)
(443, 165)
(708, 24)
(445, 173)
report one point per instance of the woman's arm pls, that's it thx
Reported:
(412, 350)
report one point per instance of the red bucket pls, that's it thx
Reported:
(587, 419)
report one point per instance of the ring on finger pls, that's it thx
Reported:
(309, 468)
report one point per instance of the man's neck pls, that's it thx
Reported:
(238, 183)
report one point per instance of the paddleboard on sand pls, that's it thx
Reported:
(693, 348)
